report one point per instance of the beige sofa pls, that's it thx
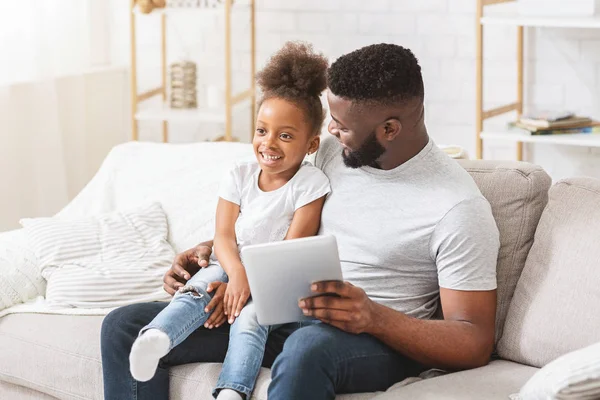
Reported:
(58, 356)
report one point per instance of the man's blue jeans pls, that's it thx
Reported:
(316, 362)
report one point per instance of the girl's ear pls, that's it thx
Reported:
(314, 144)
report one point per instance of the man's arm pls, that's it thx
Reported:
(463, 339)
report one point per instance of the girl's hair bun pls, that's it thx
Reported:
(295, 70)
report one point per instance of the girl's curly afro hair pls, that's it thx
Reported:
(297, 74)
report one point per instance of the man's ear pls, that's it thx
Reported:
(314, 144)
(392, 128)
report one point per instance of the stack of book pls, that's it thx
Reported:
(556, 123)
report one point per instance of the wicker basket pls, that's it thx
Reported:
(183, 85)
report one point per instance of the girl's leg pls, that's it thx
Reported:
(247, 339)
(174, 323)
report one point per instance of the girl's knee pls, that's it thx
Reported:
(247, 318)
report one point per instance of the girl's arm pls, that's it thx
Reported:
(306, 220)
(226, 249)
(225, 241)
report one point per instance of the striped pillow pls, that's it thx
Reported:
(105, 261)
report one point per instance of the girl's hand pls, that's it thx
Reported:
(236, 296)
(216, 305)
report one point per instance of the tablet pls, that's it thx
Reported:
(280, 274)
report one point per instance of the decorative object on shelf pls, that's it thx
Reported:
(147, 6)
(455, 152)
(183, 85)
(559, 8)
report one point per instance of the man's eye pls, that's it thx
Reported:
(340, 127)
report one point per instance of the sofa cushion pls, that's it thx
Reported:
(555, 307)
(55, 354)
(9, 391)
(59, 355)
(518, 193)
(495, 381)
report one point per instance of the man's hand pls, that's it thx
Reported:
(185, 265)
(216, 305)
(340, 304)
(236, 296)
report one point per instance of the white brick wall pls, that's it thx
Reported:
(562, 65)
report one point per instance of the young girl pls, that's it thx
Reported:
(276, 198)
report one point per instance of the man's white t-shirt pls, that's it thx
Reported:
(404, 233)
(266, 216)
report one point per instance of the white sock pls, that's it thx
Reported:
(146, 352)
(229, 394)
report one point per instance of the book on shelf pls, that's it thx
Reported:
(590, 127)
(570, 122)
(545, 116)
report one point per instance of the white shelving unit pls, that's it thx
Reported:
(521, 22)
(245, 99)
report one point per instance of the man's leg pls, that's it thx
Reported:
(120, 328)
(319, 361)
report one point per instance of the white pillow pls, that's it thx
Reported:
(20, 279)
(573, 376)
(105, 261)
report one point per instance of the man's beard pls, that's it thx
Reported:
(367, 154)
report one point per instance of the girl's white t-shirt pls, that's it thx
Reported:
(266, 216)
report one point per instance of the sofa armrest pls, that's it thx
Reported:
(20, 278)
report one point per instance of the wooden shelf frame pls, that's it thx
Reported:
(231, 99)
(481, 115)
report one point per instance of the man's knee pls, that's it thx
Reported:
(113, 334)
(307, 348)
(122, 325)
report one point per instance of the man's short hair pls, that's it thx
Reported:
(385, 74)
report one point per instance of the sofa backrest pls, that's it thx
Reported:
(518, 193)
(554, 310)
(183, 178)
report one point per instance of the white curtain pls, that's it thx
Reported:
(62, 104)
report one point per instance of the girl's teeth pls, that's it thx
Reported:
(270, 158)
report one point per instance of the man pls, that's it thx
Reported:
(413, 232)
